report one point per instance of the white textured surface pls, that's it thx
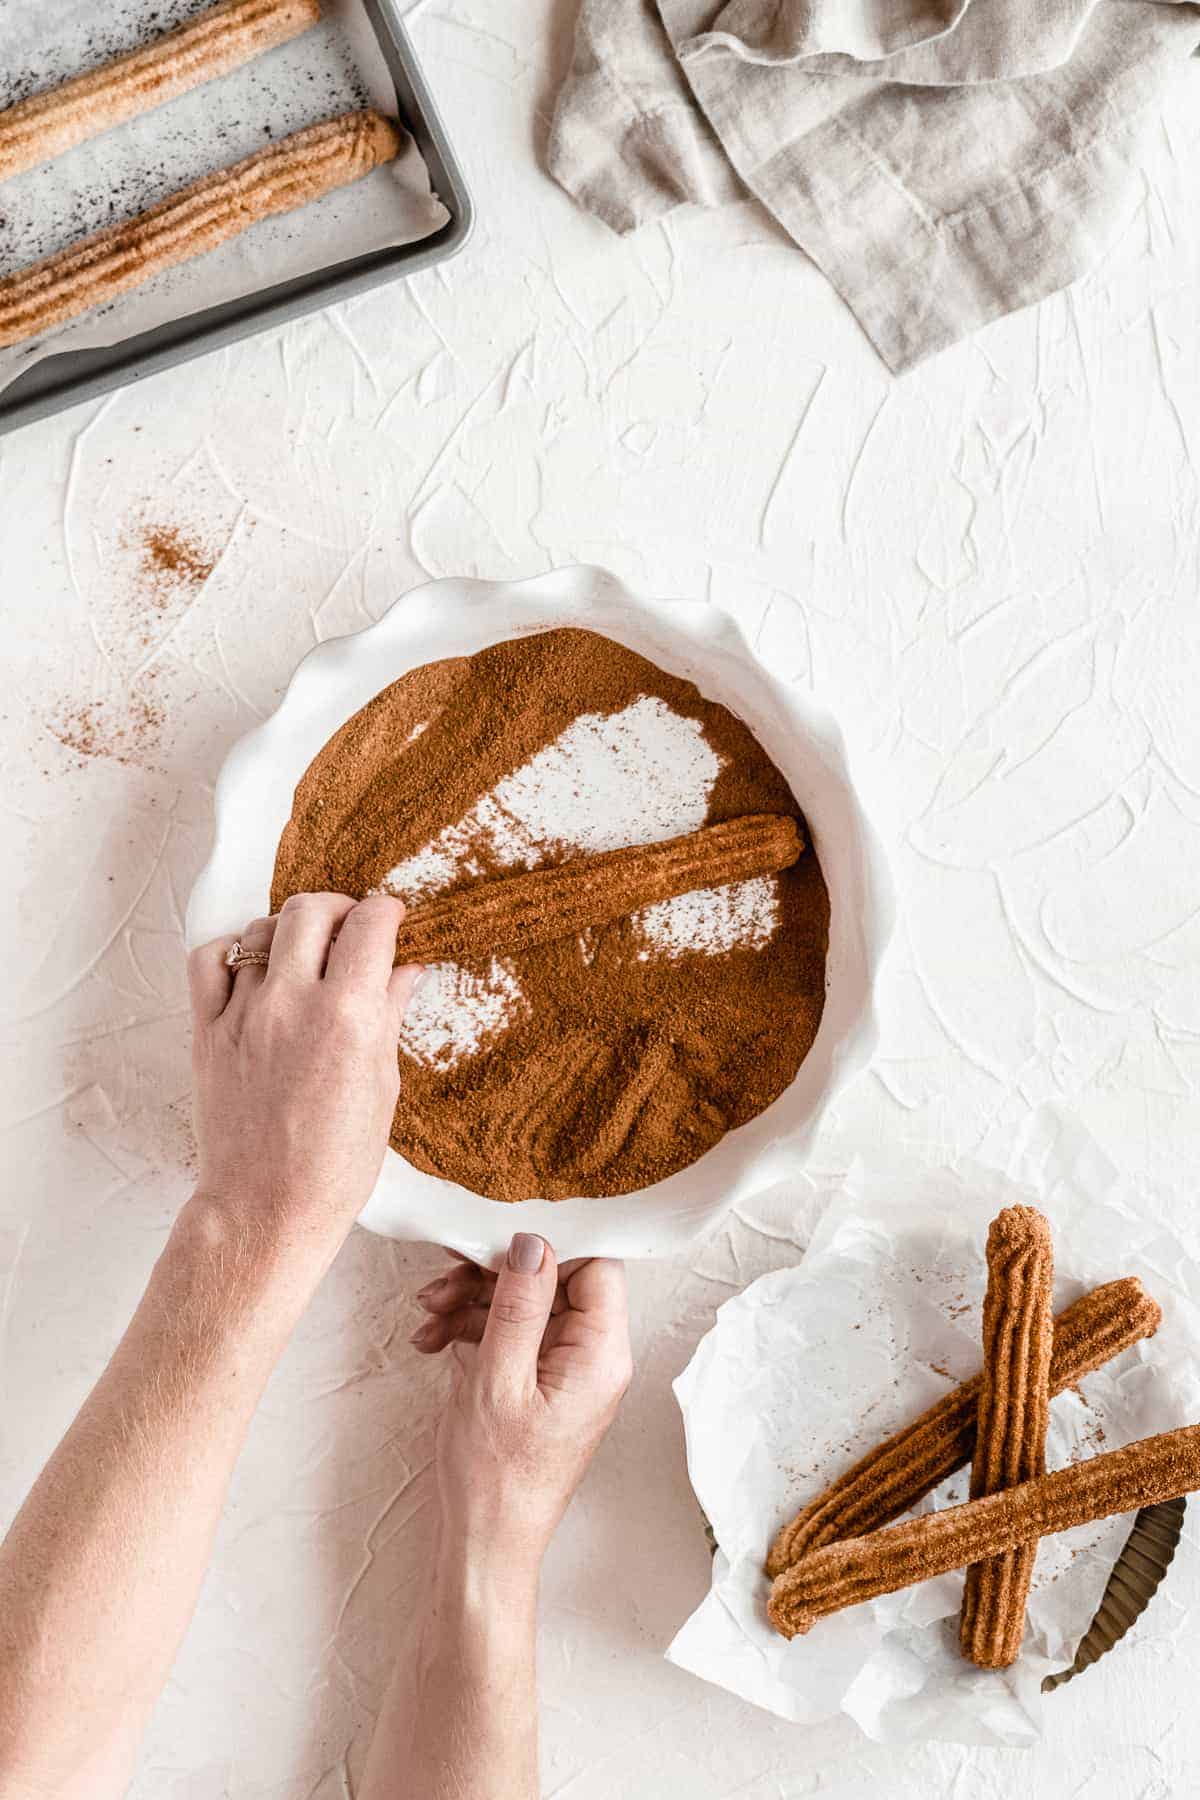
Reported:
(988, 571)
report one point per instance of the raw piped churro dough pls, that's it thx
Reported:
(862, 1568)
(291, 174)
(1014, 1411)
(909, 1465)
(524, 911)
(220, 40)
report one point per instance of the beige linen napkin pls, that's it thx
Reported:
(943, 161)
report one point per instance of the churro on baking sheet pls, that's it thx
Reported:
(219, 40)
(199, 218)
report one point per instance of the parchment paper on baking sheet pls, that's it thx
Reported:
(331, 69)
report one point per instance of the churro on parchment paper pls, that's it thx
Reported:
(197, 219)
(1014, 1412)
(898, 1556)
(220, 39)
(909, 1465)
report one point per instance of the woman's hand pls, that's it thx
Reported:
(543, 1360)
(295, 1067)
(532, 1402)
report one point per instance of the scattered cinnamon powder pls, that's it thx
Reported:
(165, 567)
(95, 728)
(587, 1066)
(171, 557)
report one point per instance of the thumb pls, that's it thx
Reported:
(518, 1315)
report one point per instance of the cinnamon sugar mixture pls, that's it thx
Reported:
(599, 1064)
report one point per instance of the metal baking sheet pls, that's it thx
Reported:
(58, 382)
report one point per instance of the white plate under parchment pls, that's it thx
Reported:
(692, 640)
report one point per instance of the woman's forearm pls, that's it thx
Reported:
(100, 1571)
(528, 1411)
(460, 1719)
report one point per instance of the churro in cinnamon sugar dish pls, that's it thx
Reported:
(635, 868)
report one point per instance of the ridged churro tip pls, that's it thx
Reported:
(382, 135)
(789, 1624)
(1018, 1225)
(777, 1556)
(1145, 1303)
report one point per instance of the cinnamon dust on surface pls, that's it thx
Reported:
(172, 557)
(165, 567)
(124, 732)
(594, 1065)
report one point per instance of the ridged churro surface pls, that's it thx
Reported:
(1014, 1411)
(858, 1569)
(291, 174)
(522, 911)
(220, 40)
(909, 1465)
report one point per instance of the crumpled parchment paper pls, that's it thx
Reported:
(812, 1366)
(334, 68)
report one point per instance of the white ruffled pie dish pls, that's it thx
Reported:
(692, 640)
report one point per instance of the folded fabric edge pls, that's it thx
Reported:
(610, 181)
(773, 40)
(631, 145)
(902, 66)
(954, 274)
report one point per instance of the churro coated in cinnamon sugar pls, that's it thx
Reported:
(290, 174)
(885, 1483)
(523, 911)
(862, 1568)
(215, 43)
(1014, 1411)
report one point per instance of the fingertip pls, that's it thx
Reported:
(520, 1311)
(306, 935)
(599, 1285)
(405, 982)
(466, 1326)
(210, 981)
(382, 901)
(461, 1286)
(364, 949)
(527, 1253)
